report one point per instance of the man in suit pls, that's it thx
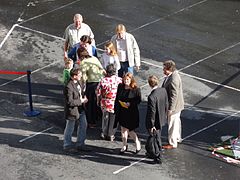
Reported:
(173, 86)
(157, 109)
(73, 108)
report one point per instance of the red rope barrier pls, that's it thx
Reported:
(12, 72)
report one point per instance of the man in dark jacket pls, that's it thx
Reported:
(74, 99)
(157, 109)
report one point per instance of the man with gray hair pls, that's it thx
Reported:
(74, 32)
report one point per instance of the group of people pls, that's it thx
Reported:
(105, 88)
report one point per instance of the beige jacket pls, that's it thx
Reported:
(173, 86)
(133, 52)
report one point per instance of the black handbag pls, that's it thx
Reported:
(153, 148)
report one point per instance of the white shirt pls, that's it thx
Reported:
(73, 35)
(166, 78)
(122, 49)
(108, 59)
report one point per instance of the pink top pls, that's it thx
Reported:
(107, 90)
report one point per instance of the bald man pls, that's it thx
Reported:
(74, 32)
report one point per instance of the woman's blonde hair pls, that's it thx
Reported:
(133, 84)
(110, 45)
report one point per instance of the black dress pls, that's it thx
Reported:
(127, 117)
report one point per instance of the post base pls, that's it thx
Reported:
(31, 113)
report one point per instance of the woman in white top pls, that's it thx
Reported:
(110, 56)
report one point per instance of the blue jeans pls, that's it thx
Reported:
(81, 131)
(124, 69)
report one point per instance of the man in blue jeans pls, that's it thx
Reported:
(74, 100)
(128, 50)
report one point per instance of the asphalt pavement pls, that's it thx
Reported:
(201, 36)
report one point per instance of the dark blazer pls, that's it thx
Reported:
(173, 86)
(157, 109)
(72, 101)
(127, 117)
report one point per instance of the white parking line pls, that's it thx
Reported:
(164, 17)
(49, 12)
(203, 129)
(22, 140)
(212, 55)
(8, 34)
(126, 167)
(1, 85)
(161, 18)
(195, 77)
(39, 32)
(23, 94)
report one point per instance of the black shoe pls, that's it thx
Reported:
(123, 150)
(70, 149)
(157, 161)
(84, 148)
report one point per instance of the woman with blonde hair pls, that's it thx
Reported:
(110, 56)
(126, 110)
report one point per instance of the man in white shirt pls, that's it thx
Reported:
(74, 32)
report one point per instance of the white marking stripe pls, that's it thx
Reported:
(216, 53)
(49, 12)
(126, 167)
(8, 34)
(195, 77)
(23, 27)
(22, 140)
(212, 82)
(33, 95)
(31, 73)
(203, 129)
(164, 17)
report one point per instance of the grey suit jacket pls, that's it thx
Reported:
(157, 108)
(173, 86)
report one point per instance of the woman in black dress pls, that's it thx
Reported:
(126, 109)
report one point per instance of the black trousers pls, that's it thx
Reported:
(158, 132)
(93, 111)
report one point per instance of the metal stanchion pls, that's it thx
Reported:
(31, 112)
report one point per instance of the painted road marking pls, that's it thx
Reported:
(203, 129)
(49, 12)
(8, 34)
(22, 140)
(161, 18)
(126, 167)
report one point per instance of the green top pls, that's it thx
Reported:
(66, 76)
(92, 69)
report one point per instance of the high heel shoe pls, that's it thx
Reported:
(123, 150)
(138, 150)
